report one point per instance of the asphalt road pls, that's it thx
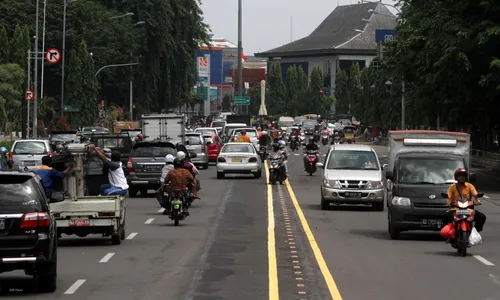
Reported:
(248, 240)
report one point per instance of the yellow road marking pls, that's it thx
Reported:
(271, 242)
(332, 286)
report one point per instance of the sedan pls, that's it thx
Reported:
(239, 158)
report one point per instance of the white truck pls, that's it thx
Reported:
(421, 167)
(83, 215)
(163, 127)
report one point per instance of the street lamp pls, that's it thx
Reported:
(66, 2)
(122, 16)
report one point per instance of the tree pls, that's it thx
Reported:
(11, 82)
(292, 90)
(315, 90)
(277, 99)
(342, 91)
(4, 46)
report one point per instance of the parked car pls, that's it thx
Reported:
(29, 153)
(352, 176)
(214, 144)
(195, 142)
(28, 231)
(145, 165)
(239, 158)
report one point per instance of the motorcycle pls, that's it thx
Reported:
(189, 195)
(276, 169)
(294, 144)
(316, 136)
(336, 141)
(463, 218)
(178, 207)
(324, 139)
(262, 152)
(311, 159)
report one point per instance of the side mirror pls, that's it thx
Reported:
(56, 197)
(472, 177)
(389, 175)
(192, 154)
(385, 166)
(320, 165)
(444, 195)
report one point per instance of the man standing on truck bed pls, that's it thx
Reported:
(117, 180)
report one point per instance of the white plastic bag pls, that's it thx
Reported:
(475, 238)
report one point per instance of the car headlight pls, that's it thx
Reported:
(332, 184)
(401, 201)
(374, 185)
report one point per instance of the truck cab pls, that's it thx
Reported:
(421, 167)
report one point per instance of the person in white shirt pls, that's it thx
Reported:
(117, 180)
(169, 166)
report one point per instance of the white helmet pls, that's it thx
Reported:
(169, 159)
(282, 142)
(181, 155)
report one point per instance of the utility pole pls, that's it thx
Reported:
(43, 48)
(131, 117)
(403, 108)
(63, 54)
(27, 101)
(35, 82)
(240, 50)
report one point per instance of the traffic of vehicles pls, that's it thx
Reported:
(412, 185)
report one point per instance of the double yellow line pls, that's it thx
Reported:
(271, 245)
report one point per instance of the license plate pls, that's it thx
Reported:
(79, 222)
(29, 163)
(463, 212)
(236, 159)
(152, 168)
(2, 224)
(432, 222)
(352, 195)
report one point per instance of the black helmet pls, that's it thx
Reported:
(178, 163)
(276, 146)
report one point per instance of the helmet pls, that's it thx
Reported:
(3, 149)
(243, 131)
(139, 136)
(281, 142)
(59, 148)
(178, 163)
(258, 128)
(181, 155)
(276, 146)
(169, 159)
(460, 171)
(311, 140)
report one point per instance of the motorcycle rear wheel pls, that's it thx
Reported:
(462, 243)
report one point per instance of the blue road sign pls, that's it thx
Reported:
(384, 35)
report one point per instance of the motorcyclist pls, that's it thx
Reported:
(283, 150)
(276, 152)
(179, 179)
(311, 147)
(264, 139)
(463, 190)
(190, 167)
(169, 166)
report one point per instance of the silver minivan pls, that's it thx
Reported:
(195, 142)
(29, 153)
(352, 175)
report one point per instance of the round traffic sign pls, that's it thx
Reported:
(53, 55)
(29, 95)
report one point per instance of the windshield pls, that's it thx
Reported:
(237, 148)
(131, 133)
(218, 124)
(353, 160)
(110, 143)
(153, 151)
(63, 137)
(286, 123)
(95, 129)
(19, 198)
(250, 133)
(30, 148)
(193, 140)
(290, 129)
(207, 130)
(420, 170)
(309, 124)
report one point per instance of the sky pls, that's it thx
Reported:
(268, 24)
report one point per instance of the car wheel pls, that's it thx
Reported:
(122, 231)
(144, 192)
(393, 232)
(378, 206)
(325, 205)
(47, 278)
(220, 175)
(132, 191)
(205, 166)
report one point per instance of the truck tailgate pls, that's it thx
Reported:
(87, 206)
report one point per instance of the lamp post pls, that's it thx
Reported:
(240, 50)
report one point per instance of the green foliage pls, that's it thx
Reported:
(4, 46)
(11, 80)
(277, 97)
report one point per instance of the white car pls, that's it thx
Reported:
(239, 158)
(206, 130)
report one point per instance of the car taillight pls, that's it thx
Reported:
(130, 166)
(221, 159)
(212, 147)
(252, 160)
(48, 153)
(232, 138)
(34, 220)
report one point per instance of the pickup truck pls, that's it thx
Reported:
(80, 214)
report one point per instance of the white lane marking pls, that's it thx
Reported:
(483, 260)
(106, 258)
(297, 154)
(149, 221)
(324, 154)
(72, 289)
(486, 197)
(494, 279)
(131, 236)
(161, 210)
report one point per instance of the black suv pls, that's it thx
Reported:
(28, 232)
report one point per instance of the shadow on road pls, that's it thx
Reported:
(83, 242)
(405, 236)
(18, 287)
